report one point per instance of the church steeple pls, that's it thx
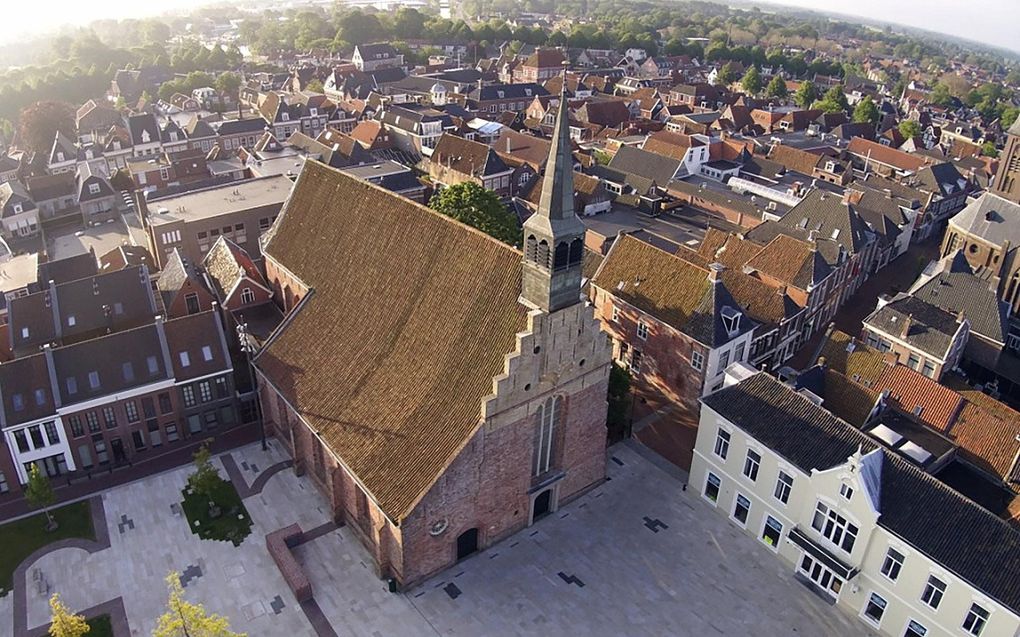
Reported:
(554, 236)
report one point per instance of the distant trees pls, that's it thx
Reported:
(866, 112)
(479, 208)
(40, 122)
(727, 74)
(751, 81)
(806, 94)
(777, 88)
(834, 100)
(910, 128)
(228, 83)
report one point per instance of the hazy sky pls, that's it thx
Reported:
(991, 21)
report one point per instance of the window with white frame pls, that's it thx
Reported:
(741, 509)
(724, 360)
(846, 491)
(642, 330)
(784, 484)
(772, 531)
(875, 608)
(751, 464)
(915, 629)
(933, 591)
(635, 361)
(712, 487)
(247, 296)
(697, 360)
(892, 564)
(722, 443)
(974, 623)
(834, 527)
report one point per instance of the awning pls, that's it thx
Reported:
(822, 554)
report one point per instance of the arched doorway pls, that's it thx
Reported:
(467, 543)
(543, 505)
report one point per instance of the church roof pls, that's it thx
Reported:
(392, 351)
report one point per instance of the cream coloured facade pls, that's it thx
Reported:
(827, 523)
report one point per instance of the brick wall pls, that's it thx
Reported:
(288, 290)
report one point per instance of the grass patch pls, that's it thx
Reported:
(233, 524)
(100, 626)
(21, 538)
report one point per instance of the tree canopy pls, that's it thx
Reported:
(40, 122)
(185, 619)
(834, 100)
(910, 128)
(479, 208)
(63, 622)
(866, 112)
(806, 94)
(751, 81)
(777, 87)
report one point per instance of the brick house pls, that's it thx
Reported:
(509, 423)
(457, 160)
(540, 66)
(181, 288)
(234, 277)
(674, 324)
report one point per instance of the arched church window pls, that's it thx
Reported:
(531, 248)
(542, 258)
(560, 259)
(576, 251)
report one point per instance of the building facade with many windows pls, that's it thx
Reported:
(872, 532)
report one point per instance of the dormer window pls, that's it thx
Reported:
(93, 189)
(60, 156)
(830, 166)
(18, 209)
(731, 320)
(94, 380)
(285, 117)
(173, 136)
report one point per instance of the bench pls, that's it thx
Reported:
(279, 543)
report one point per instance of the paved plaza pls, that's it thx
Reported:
(636, 556)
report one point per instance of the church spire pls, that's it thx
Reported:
(554, 236)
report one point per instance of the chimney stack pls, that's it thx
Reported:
(906, 325)
(715, 271)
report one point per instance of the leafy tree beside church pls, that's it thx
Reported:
(479, 208)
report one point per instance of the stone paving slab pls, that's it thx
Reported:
(636, 556)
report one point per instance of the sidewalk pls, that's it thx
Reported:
(238, 436)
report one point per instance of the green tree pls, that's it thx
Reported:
(184, 619)
(910, 128)
(727, 74)
(619, 398)
(806, 94)
(314, 85)
(39, 493)
(751, 81)
(1010, 115)
(64, 623)
(205, 478)
(941, 95)
(834, 100)
(777, 88)
(228, 83)
(479, 208)
(866, 112)
(41, 121)
(988, 149)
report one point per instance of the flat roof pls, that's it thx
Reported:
(220, 200)
(18, 272)
(377, 169)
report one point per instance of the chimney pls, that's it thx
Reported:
(906, 325)
(715, 271)
(959, 316)
(508, 145)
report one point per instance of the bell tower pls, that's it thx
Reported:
(1007, 178)
(554, 236)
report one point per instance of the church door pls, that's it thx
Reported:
(542, 505)
(467, 543)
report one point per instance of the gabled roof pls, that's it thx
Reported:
(791, 261)
(62, 144)
(669, 288)
(45, 187)
(646, 164)
(957, 289)
(823, 216)
(396, 401)
(910, 391)
(915, 506)
(228, 263)
(143, 129)
(992, 218)
(921, 325)
(175, 274)
(876, 152)
(467, 157)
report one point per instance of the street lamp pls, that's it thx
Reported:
(248, 347)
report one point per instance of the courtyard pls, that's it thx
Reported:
(637, 556)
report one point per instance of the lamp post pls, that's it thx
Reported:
(248, 347)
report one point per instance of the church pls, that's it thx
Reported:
(440, 388)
